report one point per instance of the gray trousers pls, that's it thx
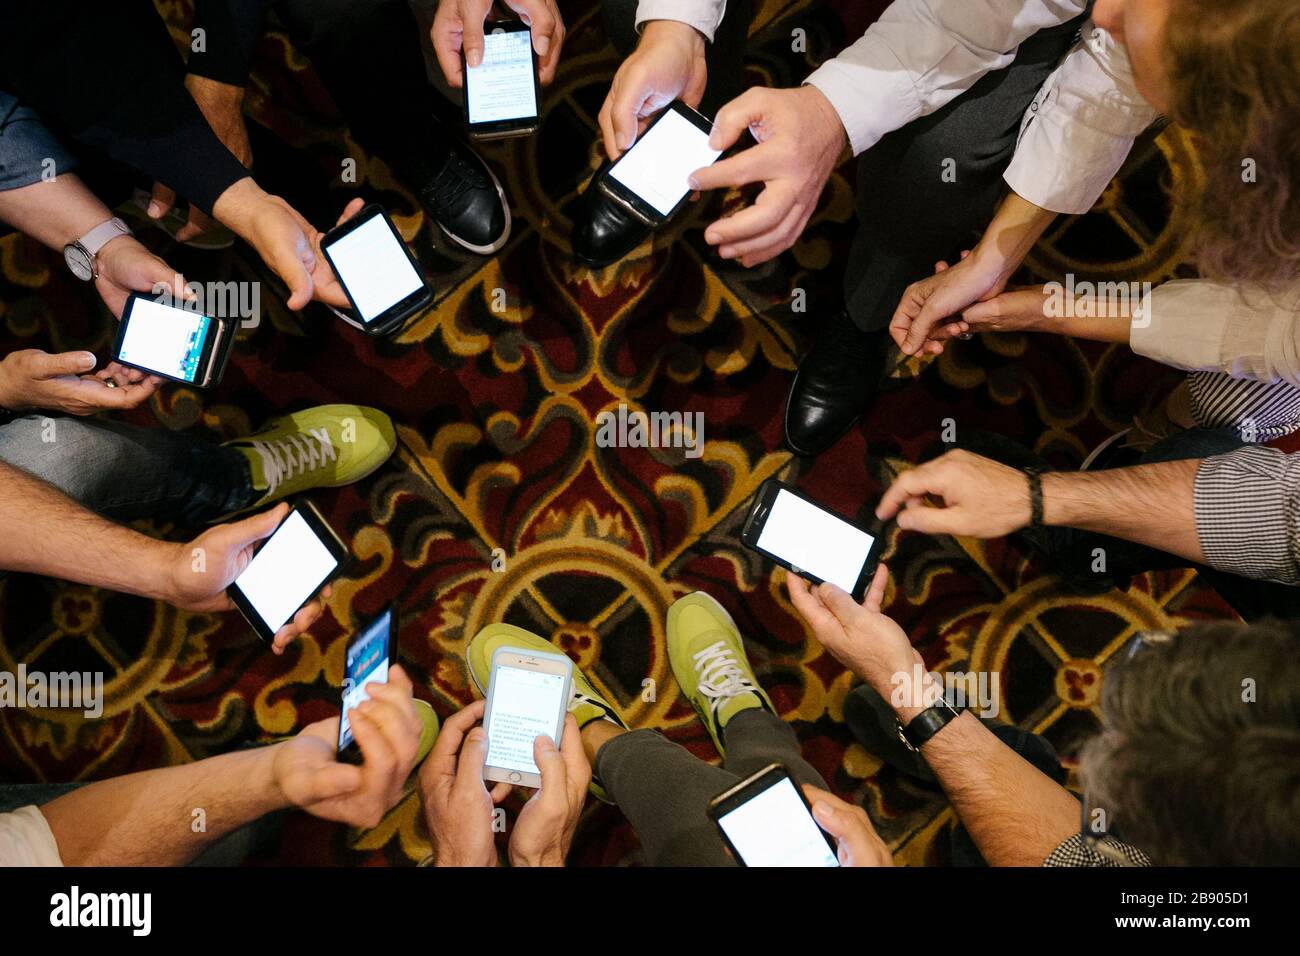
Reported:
(664, 790)
(908, 217)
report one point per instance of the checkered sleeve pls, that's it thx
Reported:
(1248, 513)
(1073, 852)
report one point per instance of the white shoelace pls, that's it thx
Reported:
(300, 452)
(721, 678)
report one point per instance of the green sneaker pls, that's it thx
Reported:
(708, 659)
(322, 447)
(586, 704)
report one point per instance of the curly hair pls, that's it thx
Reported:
(1199, 758)
(1234, 80)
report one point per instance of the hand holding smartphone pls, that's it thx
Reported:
(766, 821)
(651, 179)
(173, 341)
(803, 537)
(528, 695)
(502, 93)
(287, 570)
(378, 274)
(369, 656)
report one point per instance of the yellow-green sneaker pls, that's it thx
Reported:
(322, 447)
(708, 659)
(586, 704)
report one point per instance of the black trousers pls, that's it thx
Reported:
(908, 217)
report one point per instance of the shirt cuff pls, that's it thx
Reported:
(704, 17)
(871, 102)
(1246, 514)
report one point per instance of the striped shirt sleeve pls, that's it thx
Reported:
(1248, 513)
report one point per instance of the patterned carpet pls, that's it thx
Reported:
(495, 413)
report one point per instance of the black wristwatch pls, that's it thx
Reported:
(927, 723)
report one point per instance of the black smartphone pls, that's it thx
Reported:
(651, 179)
(173, 341)
(502, 95)
(766, 821)
(803, 537)
(369, 655)
(287, 569)
(376, 270)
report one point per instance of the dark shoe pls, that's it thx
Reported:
(604, 231)
(834, 384)
(875, 726)
(465, 199)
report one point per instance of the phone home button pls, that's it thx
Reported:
(515, 776)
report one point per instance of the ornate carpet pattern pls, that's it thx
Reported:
(499, 505)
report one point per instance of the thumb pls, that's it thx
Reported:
(46, 365)
(350, 210)
(736, 117)
(240, 534)
(550, 762)
(288, 262)
(471, 41)
(326, 782)
(932, 520)
(161, 200)
(473, 757)
(839, 603)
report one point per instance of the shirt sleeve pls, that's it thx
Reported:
(703, 15)
(231, 29)
(1248, 513)
(1073, 852)
(1204, 326)
(27, 148)
(1080, 128)
(26, 839)
(922, 54)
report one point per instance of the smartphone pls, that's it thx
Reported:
(766, 821)
(288, 568)
(502, 94)
(376, 270)
(367, 660)
(173, 341)
(650, 179)
(528, 695)
(803, 537)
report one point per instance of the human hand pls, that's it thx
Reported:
(125, 266)
(63, 382)
(921, 321)
(800, 139)
(200, 571)
(222, 105)
(667, 64)
(387, 730)
(981, 498)
(544, 831)
(458, 25)
(458, 806)
(859, 843)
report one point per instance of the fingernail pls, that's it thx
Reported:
(543, 44)
(474, 57)
(692, 182)
(155, 210)
(87, 360)
(476, 736)
(823, 810)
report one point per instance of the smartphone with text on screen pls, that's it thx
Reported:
(802, 536)
(502, 95)
(650, 180)
(176, 342)
(369, 655)
(528, 695)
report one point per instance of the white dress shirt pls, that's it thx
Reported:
(26, 839)
(703, 15)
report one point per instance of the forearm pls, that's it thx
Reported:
(1080, 318)
(163, 817)
(1015, 813)
(46, 532)
(1016, 227)
(1152, 505)
(54, 213)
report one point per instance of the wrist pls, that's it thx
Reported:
(236, 207)
(673, 31)
(820, 105)
(165, 564)
(549, 857)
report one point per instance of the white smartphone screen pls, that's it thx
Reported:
(367, 663)
(657, 167)
(525, 704)
(286, 571)
(776, 829)
(165, 339)
(501, 87)
(372, 264)
(815, 541)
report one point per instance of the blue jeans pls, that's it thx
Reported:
(125, 472)
(230, 850)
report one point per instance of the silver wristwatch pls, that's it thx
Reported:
(80, 255)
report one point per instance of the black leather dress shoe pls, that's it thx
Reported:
(835, 381)
(465, 199)
(604, 231)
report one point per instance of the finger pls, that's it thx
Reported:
(473, 757)
(929, 520)
(555, 775)
(807, 603)
(735, 118)
(940, 267)
(751, 165)
(395, 717)
(196, 225)
(238, 535)
(917, 482)
(450, 736)
(446, 49)
(769, 210)
(770, 243)
(161, 200)
(82, 396)
(577, 767)
(379, 757)
(398, 700)
(626, 98)
(329, 782)
(930, 315)
(46, 365)
(471, 40)
(500, 792)
(875, 598)
(350, 210)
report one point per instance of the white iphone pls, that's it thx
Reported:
(528, 695)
